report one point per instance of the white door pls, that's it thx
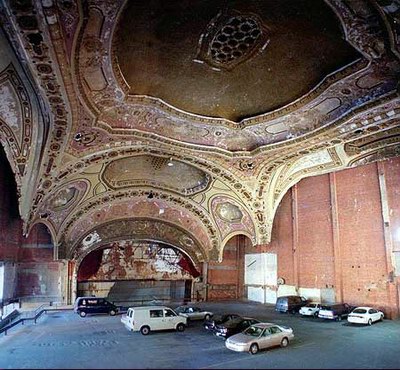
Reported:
(260, 276)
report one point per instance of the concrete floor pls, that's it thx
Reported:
(64, 340)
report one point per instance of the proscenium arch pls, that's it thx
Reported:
(141, 229)
(77, 260)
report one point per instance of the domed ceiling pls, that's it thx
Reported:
(229, 59)
(243, 98)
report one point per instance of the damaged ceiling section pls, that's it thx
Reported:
(184, 123)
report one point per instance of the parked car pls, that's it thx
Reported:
(365, 315)
(150, 318)
(193, 313)
(334, 311)
(211, 324)
(260, 336)
(93, 305)
(290, 303)
(310, 309)
(234, 326)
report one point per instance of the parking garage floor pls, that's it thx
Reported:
(65, 340)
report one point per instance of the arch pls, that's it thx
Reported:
(177, 274)
(232, 235)
(139, 229)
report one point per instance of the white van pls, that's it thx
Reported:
(145, 319)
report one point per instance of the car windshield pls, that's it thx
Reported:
(313, 305)
(253, 331)
(359, 310)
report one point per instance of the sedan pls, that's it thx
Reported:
(211, 324)
(234, 326)
(310, 309)
(193, 313)
(260, 336)
(365, 315)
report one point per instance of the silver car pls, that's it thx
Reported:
(260, 336)
(193, 313)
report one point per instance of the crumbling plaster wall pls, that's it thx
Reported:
(35, 275)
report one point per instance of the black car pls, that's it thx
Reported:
(211, 324)
(234, 326)
(290, 303)
(335, 311)
(93, 305)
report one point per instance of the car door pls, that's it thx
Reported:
(243, 326)
(157, 321)
(170, 319)
(265, 339)
(129, 318)
(276, 335)
(373, 314)
(198, 313)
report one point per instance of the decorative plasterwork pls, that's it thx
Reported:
(231, 38)
(128, 260)
(139, 229)
(120, 115)
(15, 120)
(350, 118)
(160, 172)
(232, 218)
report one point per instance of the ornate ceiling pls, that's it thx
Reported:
(185, 122)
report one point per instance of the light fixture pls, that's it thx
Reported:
(170, 163)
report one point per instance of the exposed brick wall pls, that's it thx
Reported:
(346, 204)
(362, 268)
(314, 246)
(362, 246)
(224, 279)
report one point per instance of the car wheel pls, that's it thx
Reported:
(369, 322)
(339, 318)
(315, 314)
(82, 314)
(284, 342)
(180, 327)
(145, 330)
(254, 348)
(112, 313)
(207, 317)
(381, 319)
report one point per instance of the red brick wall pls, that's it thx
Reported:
(329, 233)
(361, 236)
(314, 245)
(225, 279)
(361, 275)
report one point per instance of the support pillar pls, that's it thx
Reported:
(295, 242)
(387, 236)
(336, 239)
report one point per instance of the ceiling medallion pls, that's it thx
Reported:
(229, 212)
(231, 38)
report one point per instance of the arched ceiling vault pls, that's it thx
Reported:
(195, 115)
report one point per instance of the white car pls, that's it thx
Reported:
(310, 309)
(365, 315)
(193, 313)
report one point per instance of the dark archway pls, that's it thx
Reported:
(132, 272)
